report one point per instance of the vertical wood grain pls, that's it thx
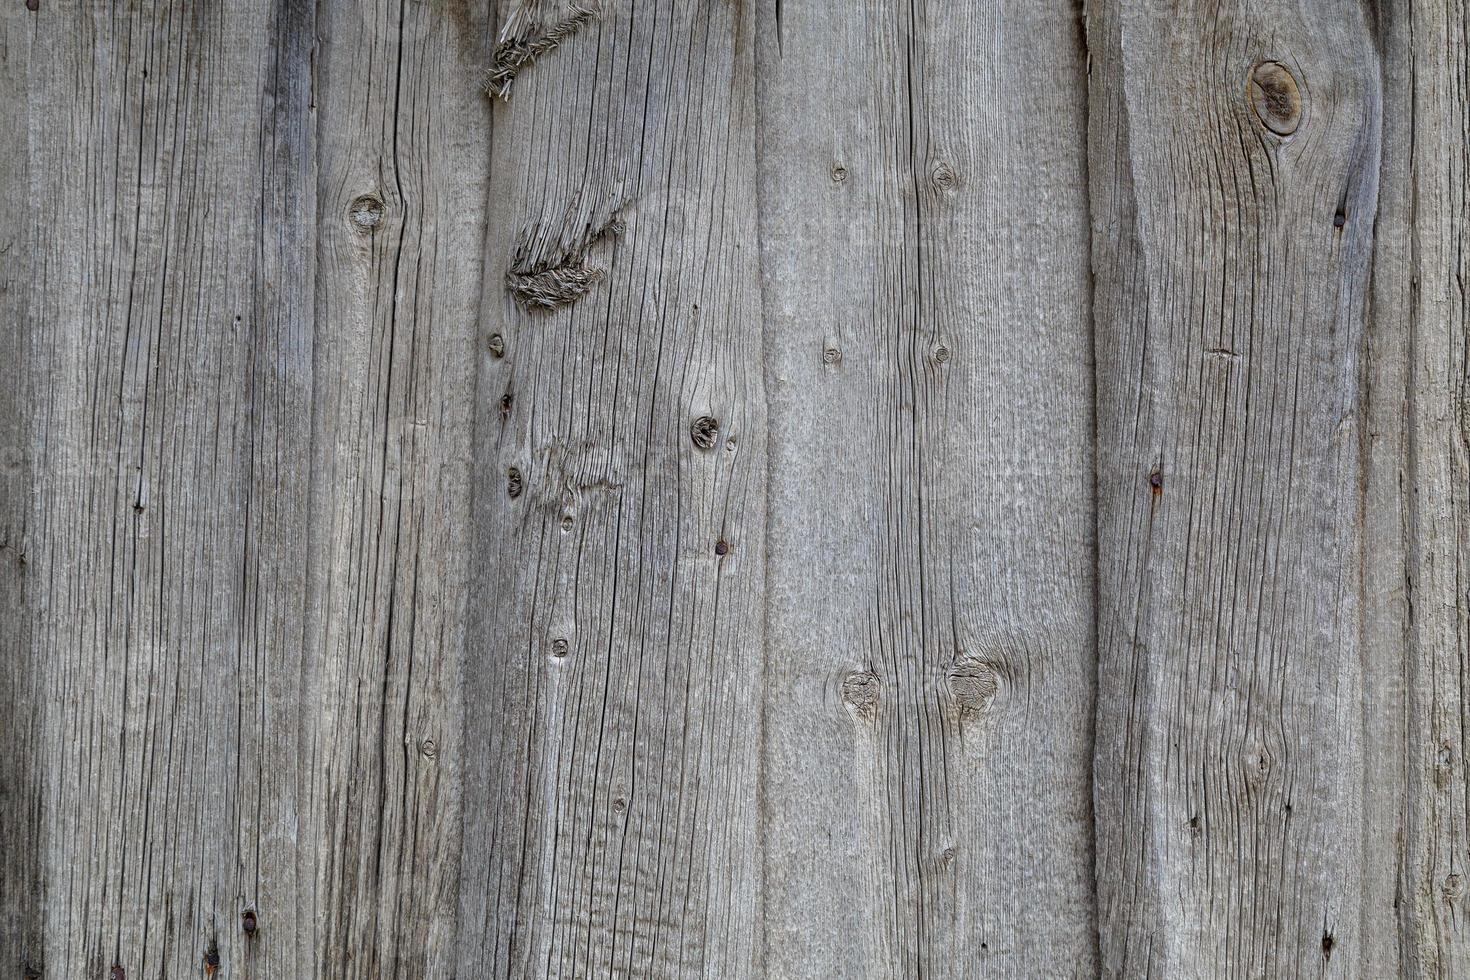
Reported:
(402, 166)
(21, 696)
(168, 364)
(931, 662)
(613, 668)
(1234, 156)
(1421, 320)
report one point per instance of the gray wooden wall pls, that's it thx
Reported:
(774, 488)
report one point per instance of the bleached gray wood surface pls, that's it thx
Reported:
(765, 490)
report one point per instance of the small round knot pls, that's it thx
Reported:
(860, 693)
(839, 173)
(943, 176)
(567, 522)
(366, 212)
(560, 648)
(703, 432)
(941, 353)
(619, 805)
(1277, 100)
(831, 355)
(428, 749)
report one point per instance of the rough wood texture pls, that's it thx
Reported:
(614, 678)
(930, 666)
(245, 429)
(402, 134)
(1235, 158)
(692, 488)
(1422, 323)
(169, 359)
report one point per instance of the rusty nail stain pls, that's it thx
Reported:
(1156, 480)
(117, 972)
(248, 922)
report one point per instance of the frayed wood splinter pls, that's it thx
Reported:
(539, 281)
(526, 38)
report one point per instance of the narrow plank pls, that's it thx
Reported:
(617, 618)
(168, 358)
(402, 134)
(21, 696)
(1234, 156)
(931, 659)
(1421, 278)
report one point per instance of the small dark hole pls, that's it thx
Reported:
(1339, 219)
(722, 547)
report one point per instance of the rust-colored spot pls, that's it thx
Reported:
(117, 973)
(248, 922)
(1277, 100)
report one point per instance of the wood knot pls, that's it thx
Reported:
(973, 684)
(839, 173)
(703, 432)
(831, 355)
(514, 484)
(496, 345)
(429, 749)
(860, 694)
(560, 648)
(366, 212)
(944, 177)
(1277, 100)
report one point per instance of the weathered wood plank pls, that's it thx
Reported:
(931, 660)
(168, 359)
(1423, 326)
(617, 611)
(21, 694)
(1234, 160)
(403, 165)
